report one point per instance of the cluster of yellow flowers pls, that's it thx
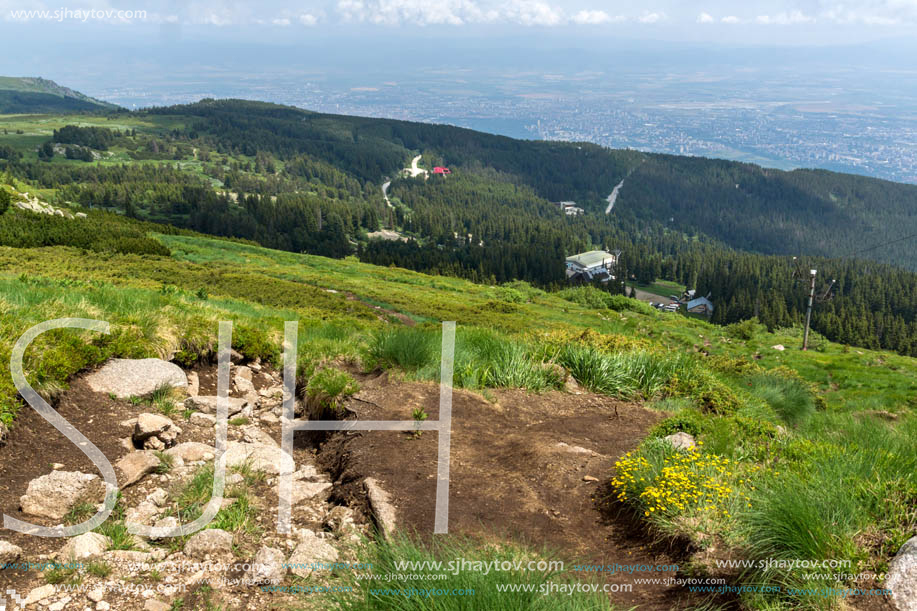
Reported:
(687, 481)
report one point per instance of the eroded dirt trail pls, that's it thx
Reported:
(527, 467)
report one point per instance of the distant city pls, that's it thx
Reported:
(785, 112)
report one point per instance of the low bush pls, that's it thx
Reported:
(326, 390)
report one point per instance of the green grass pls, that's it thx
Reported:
(383, 555)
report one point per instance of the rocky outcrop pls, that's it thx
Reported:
(380, 503)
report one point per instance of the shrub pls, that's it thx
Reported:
(745, 330)
(326, 390)
(687, 421)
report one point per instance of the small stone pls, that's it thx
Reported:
(158, 497)
(102, 606)
(681, 440)
(194, 384)
(156, 605)
(87, 545)
(203, 419)
(192, 451)
(136, 465)
(208, 404)
(38, 594)
(902, 576)
(96, 595)
(9, 553)
(381, 505)
(267, 567)
(209, 542)
(589, 478)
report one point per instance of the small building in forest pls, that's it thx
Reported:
(700, 305)
(442, 171)
(570, 208)
(592, 266)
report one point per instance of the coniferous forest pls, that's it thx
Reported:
(306, 182)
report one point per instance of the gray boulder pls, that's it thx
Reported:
(53, 495)
(902, 576)
(136, 377)
(381, 505)
(155, 432)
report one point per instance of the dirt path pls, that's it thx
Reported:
(614, 196)
(521, 468)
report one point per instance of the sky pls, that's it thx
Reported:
(782, 22)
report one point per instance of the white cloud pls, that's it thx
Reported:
(281, 21)
(705, 18)
(595, 18)
(307, 19)
(651, 17)
(731, 19)
(784, 18)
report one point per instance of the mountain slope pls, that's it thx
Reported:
(38, 95)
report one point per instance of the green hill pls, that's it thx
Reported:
(38, 95)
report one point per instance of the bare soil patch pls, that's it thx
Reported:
(517, 471)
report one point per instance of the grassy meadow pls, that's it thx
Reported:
(802, 455)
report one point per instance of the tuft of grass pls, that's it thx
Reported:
(239, 421)
(99, 569)
(409, 348)
(79, 513)
(166, 462)
(326, 391)
(790, 398)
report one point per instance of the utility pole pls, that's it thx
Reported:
(805, 337)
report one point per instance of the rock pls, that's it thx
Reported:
(164, 525)
(381, 505)
(211, 542)
(243, 380)
(307, 472)
(253, 434)
(9, 553)
(158, 497)
(259, 457)
(96, 595)
(127, 557)
(194, 384)
(589, 478)
(310, 550)
(4, 434)
(572, 386)
(303, 491)
(681, 440)
(208, 404)
(135, 378)
(53, 495)
(155, 605)
(38, 594)
(143, 514)
(268, 567)
(87, 545)
(102, 606)
(203, 419)
(902, 576)
(268, 418)
(572, 449)
(235, 357)
(135, 466)
(154, 431)
(192, 451)
(339, 519)
(779, 347)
